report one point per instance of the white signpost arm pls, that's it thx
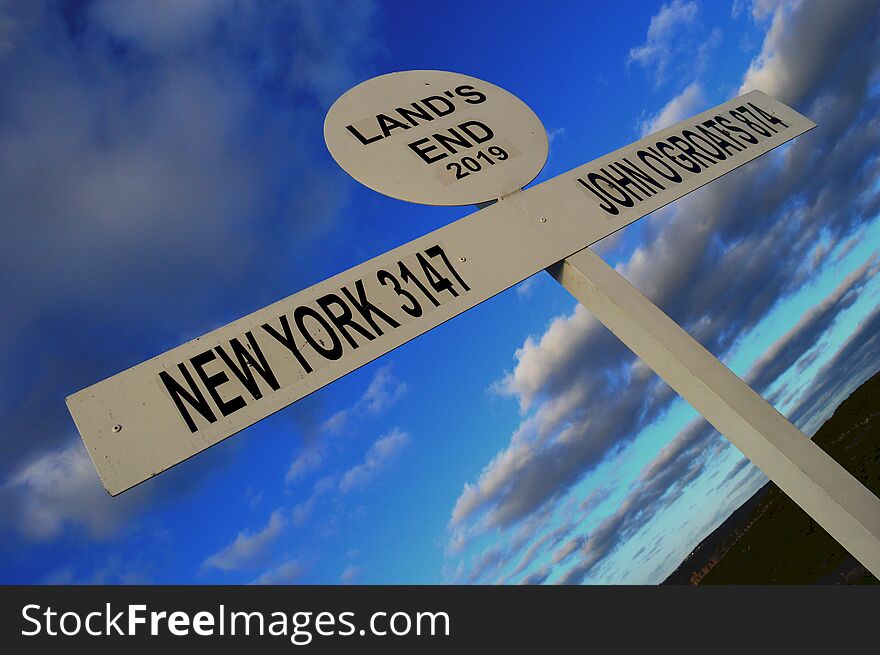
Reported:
(825, 490)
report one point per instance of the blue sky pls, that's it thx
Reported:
(163, 172)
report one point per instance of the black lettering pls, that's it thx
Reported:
(679, 160)
(416, 147)
(640, 176)
(487, 132)
(211, 383)
(739, 114)
(416, 309)
(435, 251)
(367, 309)
(386, 124)
(438, 282)
(593, 188)
(669, 173)
(335, 351)
(711, 151)
(407, 276)
(727, 125)
(717, 139)
(770, 118)
(446, 109)
(344, 319)
(286, 339)
(628, 173)
(247, 364)
(193, 396)
(361, 137)
(687, 149)
(416, 112)
(620, 183)
(624, 180)
(470, 94)
(455, 140)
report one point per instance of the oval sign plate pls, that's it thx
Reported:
(436, 138)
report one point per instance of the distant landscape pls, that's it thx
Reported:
(770, 540)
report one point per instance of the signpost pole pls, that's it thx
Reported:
(807, 474)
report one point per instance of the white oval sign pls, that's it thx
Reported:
(436, 138)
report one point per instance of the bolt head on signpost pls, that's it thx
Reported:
(436, 138)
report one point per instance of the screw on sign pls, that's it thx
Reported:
(442, 138)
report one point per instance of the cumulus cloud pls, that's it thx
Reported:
(59, 489)
(158, 26)
(142, 188)
(308, 460)
(578, 371)
(378, 457)
(526, 288)
(717, 263)
(791, 71)
(806, 333)
(676, 45)
(249, 548)
(302, 511)
(114, 570)
(350, 574)
(856, 360)
(687, 103)
(381, 394)
(661, 483)
(288, 572)
(254, 548)
(759, 9)
(661, 29)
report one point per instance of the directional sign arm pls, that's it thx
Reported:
(148, 418)
(582, 208)
(142, 421)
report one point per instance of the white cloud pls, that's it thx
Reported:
(114, 570)
(807, 332)
(157, 25)
(687, 103)
(288, 572)
(302, 511)
(761, 9)
(536, 360)
(306, 462)
(350, 574)
(377, 459)
(248, 549)
(556, 133)
(526, 288)
(383, 392)
(658, 52)
(60, 489)
(795, 54)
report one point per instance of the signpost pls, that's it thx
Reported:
(443, 138)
